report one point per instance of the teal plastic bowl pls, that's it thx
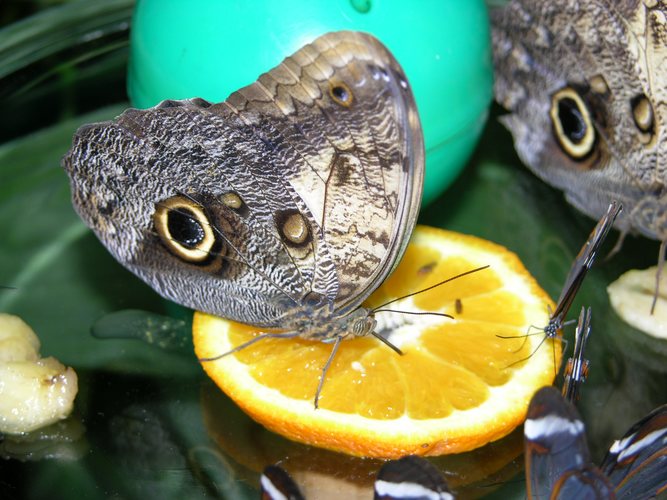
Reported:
(210, 48)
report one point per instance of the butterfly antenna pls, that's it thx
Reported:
(325, 369)
(415, 313)
(465, 273)
(231, 245)
(661, 264)
(524, 337)
(527, 334)
(284, 335)
(381, 308)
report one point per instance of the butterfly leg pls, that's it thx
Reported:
(285, 335)
(651, 213)
(661, 264)
(325, 369)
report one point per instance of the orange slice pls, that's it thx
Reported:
(458, 385)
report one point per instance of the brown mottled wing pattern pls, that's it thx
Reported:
(612, 53)
(308, 182)
(360, 165)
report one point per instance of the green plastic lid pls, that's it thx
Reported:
(210, 48)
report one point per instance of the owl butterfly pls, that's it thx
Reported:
(558, 462)
(408, 478)
(284, 206)
(586, 84)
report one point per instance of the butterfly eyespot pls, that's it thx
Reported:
(599, 85)
(293, 227)
(572, 123)
(232, 200)
(341, 94)
(184, 228)
(642, 114)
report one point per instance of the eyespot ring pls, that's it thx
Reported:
(341, 93)
(293, 227)
(642, 114)
(184, 228)
(572, 124)
(232, 200)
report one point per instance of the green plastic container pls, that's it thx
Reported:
(209, 48)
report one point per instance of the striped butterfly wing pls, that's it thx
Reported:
(411, 478)
(276, 484)
(636, 464)
(586, 483)
(554, 441)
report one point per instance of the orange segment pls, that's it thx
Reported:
(458, 386)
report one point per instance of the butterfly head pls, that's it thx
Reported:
(362, 322)
(358, 323)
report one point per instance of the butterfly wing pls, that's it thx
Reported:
(411, 478)
(584, 261)
(276, 484)
(297, 193)
(583, 83)
(554, 441)
(364, 149)
(585, 483)
(636, 464)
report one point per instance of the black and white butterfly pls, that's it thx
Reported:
(575, 278)
(408, 478)
(411, 478)
(558, 462)
(276, 484)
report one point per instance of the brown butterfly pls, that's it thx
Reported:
(586, 84)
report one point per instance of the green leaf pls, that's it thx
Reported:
(156, 329)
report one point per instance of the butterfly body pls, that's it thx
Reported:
(284, 206)
(586, 86)
(576, 370)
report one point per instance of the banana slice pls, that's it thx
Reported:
(34, 391)
(631, 296)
